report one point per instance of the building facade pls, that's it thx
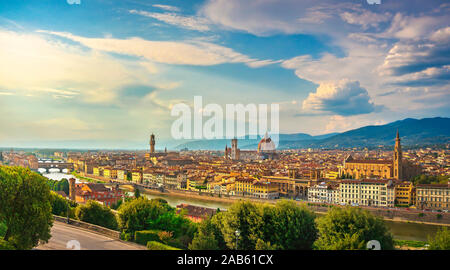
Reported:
(433, 196)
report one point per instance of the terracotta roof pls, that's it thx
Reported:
(196, 211)
(370, 161)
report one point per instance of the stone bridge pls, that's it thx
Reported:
(55, 165)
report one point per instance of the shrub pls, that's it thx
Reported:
(439, 216)
(165, 236)
(142, 237)
(441, 241)
(126, 236)
(5, 245)
(153, 245)
(421, 214)
(95, 213)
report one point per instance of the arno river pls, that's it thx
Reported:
(400, 230)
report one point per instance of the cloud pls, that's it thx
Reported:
(167, 7)
(417, 56)
(412, 27)
(264, 17)
(34, 65)
(365, 18)
(187, 22)
(342, 98)
(338, 123)
(193, 52)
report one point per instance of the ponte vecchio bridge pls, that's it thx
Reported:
(47, 165)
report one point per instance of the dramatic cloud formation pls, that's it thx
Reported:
(342, 98)
(102, 76)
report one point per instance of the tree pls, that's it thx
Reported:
(441, 241)
(246, 217)
(289, 226)
(173, 222)
(137, 193)
(205, 238)
(25, 207)
(63, 185)
(135, 214)
(261, 245)
(261, 226)
(351, 228)
(60, 205)
(95, 213)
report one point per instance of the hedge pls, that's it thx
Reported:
(153, 245)
(142, 237)
(5, 245)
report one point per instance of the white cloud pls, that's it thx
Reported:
(187, 22)
(338, 123)
(60, 70)
(365, 18)
(411, 27)
(167, 7)
(168, 52)
(342, 98)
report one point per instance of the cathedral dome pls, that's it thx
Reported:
(266, 144)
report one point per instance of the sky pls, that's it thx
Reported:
(107, 73)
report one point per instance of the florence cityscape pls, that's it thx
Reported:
(226, 126)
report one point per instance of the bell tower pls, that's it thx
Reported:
(152, 144)
(398, 174)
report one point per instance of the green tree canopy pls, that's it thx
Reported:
(351, 228)
(441, 241)
(60, 205)
(25, 207)
(205, 238)
(289, 226)
(172, 222)
(95, 213)
(261, 226)
(134, 215)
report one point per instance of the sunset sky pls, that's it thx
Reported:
(109, 71)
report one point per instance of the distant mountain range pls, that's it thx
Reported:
(413, 132)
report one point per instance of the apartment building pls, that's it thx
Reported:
(367, 192)
(433, 196)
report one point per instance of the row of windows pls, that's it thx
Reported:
(440, 192)
(433, 199)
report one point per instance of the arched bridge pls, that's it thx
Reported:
(55, 165)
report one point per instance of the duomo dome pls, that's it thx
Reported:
(266, 144)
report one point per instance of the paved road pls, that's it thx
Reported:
(63, 233)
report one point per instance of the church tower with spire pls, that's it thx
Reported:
(398, 174)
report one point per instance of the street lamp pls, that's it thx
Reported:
(238, 233)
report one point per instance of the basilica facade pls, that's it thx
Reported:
(397, 168)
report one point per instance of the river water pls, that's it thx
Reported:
(55, 174)
(400, 230)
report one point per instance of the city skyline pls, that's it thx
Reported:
(70, 72)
